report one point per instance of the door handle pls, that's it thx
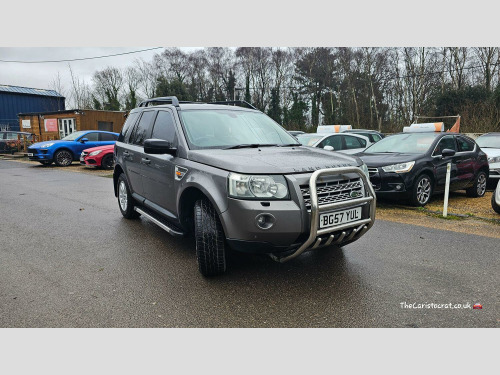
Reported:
(145, 161)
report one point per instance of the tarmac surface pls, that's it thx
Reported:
(69, 259)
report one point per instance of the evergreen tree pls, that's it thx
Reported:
(274, 106)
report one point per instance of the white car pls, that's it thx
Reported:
(495, 199)
(490, 144)
(346, 143)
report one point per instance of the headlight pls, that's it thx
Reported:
(47, 145)
(364, 168)
(94, 153)
(257, 187)
(495, 159)
(399, 168)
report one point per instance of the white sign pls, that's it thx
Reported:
(26, 124)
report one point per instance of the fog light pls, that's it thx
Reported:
(265, 221)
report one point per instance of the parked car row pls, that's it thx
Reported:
(92, 148)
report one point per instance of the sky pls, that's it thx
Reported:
(40, 75)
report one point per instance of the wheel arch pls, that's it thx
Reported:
(186, 201)
(116, 174)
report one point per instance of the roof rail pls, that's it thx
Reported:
(164, 100)
(241, 103)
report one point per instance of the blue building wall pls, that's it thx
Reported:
(13, 103)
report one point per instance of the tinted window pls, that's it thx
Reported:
(107, 137)
(465, 144)
(164, 127)
(375, 137)
(2, 135)
(127, 127)
(141, 130)
(353, 142)
(334, 141)
(92, 137)
(446, 142)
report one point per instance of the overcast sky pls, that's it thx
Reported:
(42, 74)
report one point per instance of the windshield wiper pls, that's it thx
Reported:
(290, 145)
(251, 145)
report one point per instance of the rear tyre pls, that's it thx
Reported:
(125, 200)
(479, 188)
(494, 204)
(209, 235)
(422, 191)
(63, 158)
(107, 162)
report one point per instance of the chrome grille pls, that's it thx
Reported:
(335, 191)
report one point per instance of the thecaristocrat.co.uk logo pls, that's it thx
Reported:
(425, 305)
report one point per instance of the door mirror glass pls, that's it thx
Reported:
(159, 147)
(328, 148)
(447, 152)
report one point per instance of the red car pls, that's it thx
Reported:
(101, 156)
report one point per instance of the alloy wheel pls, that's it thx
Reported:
(122, 195)
(423, 190)
(64, 158)
(481, 184)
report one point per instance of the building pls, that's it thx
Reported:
(15, 99)
(51, 125)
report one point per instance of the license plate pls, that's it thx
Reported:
(30, 154)
(340, 217)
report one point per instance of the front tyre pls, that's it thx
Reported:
(422, 191)
(107, 162)
(63, 158)
(209, 235)
(479, 188)
(125, 200)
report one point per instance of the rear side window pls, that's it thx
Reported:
(375, 137)
(164, 127)
(107, 137)
(465, 144)
(141, 130)
(353, 142)
(127, 127)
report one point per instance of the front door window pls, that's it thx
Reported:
(66, 127)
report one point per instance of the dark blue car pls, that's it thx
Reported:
(63, 152)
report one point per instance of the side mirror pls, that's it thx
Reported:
(159, 147)
(328, 148)
(447, 152)
(83, 140)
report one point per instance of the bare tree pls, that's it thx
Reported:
(80, 92)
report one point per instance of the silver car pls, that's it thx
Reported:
(345, 143)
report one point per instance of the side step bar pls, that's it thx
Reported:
(162, 224)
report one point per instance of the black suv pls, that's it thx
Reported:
(238, 180)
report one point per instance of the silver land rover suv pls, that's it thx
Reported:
(236, 179)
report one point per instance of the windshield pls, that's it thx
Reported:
(72, 136)
(410, 143)
(309, 139)
(227, 128)
(489, 141)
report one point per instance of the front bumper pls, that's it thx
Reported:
(296, 230)
(39, 154)
(494, 171)
(390, 182)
